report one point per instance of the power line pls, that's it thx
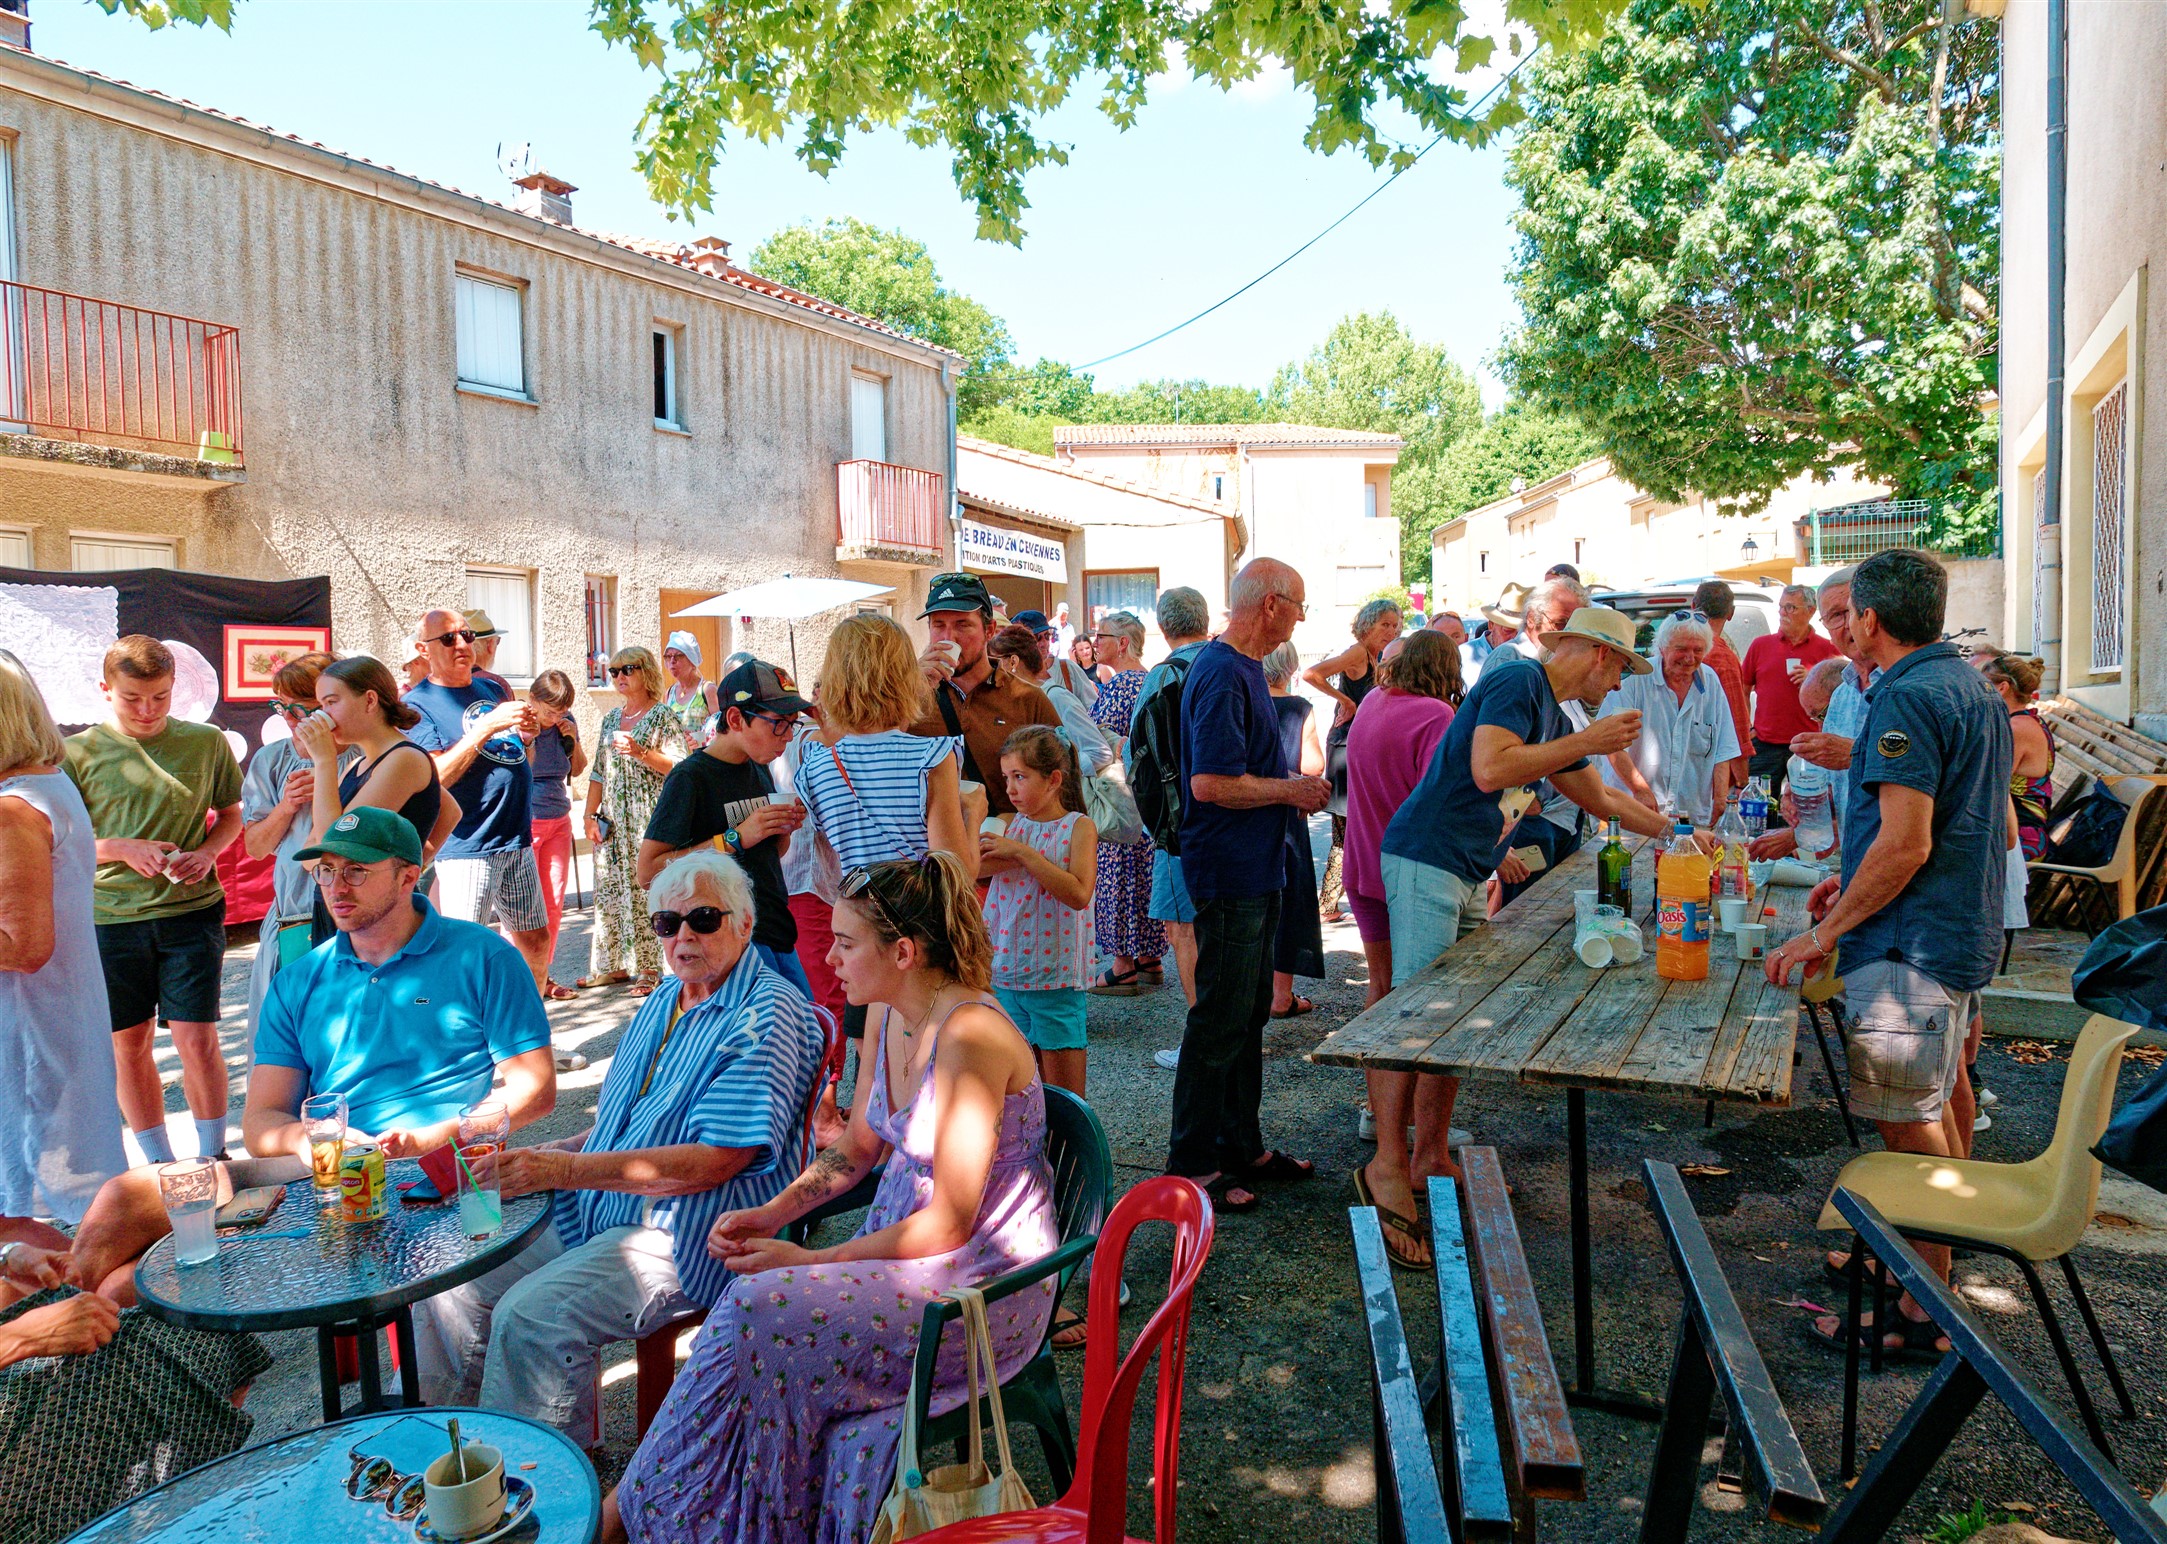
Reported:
(1502, 82)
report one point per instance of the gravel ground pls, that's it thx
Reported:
(1276, 1441)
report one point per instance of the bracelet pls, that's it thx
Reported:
(1813, 936)
(7, 1255)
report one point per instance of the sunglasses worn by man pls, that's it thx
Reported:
(456, 636)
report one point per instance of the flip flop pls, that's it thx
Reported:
(1295, 1009)
(613, 978)
(1276, 1165)
(1070, 1330)
(1396, 1228)
(1217, 1188)
(558, 992)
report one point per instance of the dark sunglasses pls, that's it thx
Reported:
(1688, 614)
(703, 919)
(618, 670)
(456, 635)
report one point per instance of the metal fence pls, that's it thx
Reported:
(1851, 533)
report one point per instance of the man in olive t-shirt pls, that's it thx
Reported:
(150, 781)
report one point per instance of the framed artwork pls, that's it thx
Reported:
(255, 652)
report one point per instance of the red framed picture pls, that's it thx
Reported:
(256, 652)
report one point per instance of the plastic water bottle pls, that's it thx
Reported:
(1812, 801)
(1753, 808)
(1731, 878)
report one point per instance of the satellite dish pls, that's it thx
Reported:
(516, 162)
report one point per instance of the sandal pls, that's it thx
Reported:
(1070, 1330)
(609, 978)
(1919, 1337)
(645, 984)
(1278, 1166)
(1221, 1188)
(1151, 971)
(1398, 1231)
(1295, 1009)
(1111, 985)
(558, 992)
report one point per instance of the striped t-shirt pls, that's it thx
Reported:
(735, 1070)
(871, 808)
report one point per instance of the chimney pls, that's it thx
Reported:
(15, 24)
(711, 255)
(541, 195)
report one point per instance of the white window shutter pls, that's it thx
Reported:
(489, 339)
(868, 418)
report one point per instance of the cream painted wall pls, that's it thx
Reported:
(364, 460)
(2117, 230)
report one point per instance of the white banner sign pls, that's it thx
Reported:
(1013, 552)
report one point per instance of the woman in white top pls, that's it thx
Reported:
(59, 1118)
(1686, 734)
(689, 697)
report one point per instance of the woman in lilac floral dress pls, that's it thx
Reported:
(783, 1425)
(1122, 904)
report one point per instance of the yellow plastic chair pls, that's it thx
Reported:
(2028, 1213)
(1816, 996)
(2119, 873)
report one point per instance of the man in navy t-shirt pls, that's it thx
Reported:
(486, 872)
(1236, 800)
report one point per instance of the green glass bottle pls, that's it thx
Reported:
(1614, 873)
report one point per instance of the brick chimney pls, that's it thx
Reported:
(15, 24)
(711, 255)
(541, 195)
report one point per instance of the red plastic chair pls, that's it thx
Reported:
(1095, 1510)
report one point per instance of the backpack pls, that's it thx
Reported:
(1155, 759)
(2086, 836)
(2124, 975)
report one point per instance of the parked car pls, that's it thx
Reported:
(1754, 615)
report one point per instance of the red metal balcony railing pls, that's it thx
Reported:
(72, 368)
(881, 505)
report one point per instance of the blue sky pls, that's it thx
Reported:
(1138, 231)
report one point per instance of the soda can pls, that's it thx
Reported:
(361, 1183)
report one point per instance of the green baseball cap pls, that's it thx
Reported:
(367, 835)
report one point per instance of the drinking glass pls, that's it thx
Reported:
(323, 1116)
(189, 1189)
(483, 1130)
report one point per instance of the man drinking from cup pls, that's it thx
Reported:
(970, 697)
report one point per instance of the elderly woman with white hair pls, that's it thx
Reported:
(1687, 738)
(1122, 904)
(703, 1112)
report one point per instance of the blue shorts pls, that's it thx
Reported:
(1051, 1018)
(787, 967)
(1169, 891)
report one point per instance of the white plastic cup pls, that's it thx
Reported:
(1584, 907)
(1625, 942)
(1731, 912)
(1751, 940)
(1593, 947)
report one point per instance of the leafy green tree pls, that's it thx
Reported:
(156, 14)
(1759, 239)
(978, 79)
(1371, 373)
(1179, 402)
(890, 277)
(1004, 424)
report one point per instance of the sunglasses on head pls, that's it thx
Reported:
(456, 635)
(859, 881)
(1688, 614)
(703, 919)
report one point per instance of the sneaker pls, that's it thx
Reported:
(1366, 1127)
(1982, 1122)
(1987, 1100)
(570, 1061)
(1170, 1058)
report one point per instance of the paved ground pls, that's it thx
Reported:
(1276, 1446)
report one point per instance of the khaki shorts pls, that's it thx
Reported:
(1906, 1041)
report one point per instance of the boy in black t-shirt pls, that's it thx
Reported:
(722, 795)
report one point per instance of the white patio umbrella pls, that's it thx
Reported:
(787, 599)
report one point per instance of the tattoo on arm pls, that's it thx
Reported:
(830, 1173)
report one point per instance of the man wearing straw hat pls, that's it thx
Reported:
(1505, 620)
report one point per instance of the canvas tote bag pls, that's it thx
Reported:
(922, 1501)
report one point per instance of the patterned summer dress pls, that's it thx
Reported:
(1038, 943)
(783, 1426)
(1123, 900)
(622, 938)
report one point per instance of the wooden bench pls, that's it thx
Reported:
(1974, 1367)
(1715, 1352)
(1409, 1503)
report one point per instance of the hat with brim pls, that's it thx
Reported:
(1035, 621)
(1511, 607)
(1600, 624)
(367, 835)
(958, 592)
(483, 627)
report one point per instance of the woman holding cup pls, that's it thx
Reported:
(639, 742)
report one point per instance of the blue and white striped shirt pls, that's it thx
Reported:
(872, 810)
(737, 1070)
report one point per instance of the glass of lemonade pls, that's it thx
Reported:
(483, 1131)
(323, 1117)
(189, 1189)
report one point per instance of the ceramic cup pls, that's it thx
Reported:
(1751, 939)
(1731, 911)
(460, 1507)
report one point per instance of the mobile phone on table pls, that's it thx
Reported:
(439, 1176)
(250, 1207)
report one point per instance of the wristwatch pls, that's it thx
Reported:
(7, 1255)
(732, 841)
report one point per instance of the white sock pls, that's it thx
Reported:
(211, 1136)
(156, 1144)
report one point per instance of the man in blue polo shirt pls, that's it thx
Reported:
(1918, 906)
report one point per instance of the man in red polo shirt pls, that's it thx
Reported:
(1774, 666)
(1715, 601)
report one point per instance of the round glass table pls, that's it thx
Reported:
(294, 1489)
(306, 1267)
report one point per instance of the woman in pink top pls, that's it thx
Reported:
(1396, 731)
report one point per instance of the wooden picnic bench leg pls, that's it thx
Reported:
(1928, 1426)
(1674, 1479)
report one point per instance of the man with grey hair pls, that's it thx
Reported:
(1828, 745)
(703, 1112)
(1451, 626)
(1681, 759)
(1184, 622)
(1236, 795)
(1774, 665)
(1555, 828)
(1550, 605)
(1917, 909)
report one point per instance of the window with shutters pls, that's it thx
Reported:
(669, 413)
(507, 594)
(491, 335)
(601, 627)
(868, 418)
(2110, 628)
(105, 554)
(14, 549)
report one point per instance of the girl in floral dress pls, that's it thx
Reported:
(1125, 928)
(782, 1428)
(638, 744)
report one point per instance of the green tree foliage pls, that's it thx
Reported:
(156, 14)
(1004, 424)
(1759, 239)
(979, 79)
(890, 277)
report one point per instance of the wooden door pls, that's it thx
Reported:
(713, 633)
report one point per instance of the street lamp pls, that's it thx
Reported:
(1749, 550)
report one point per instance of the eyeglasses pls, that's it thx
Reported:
(346, 876)
(1688, 614)
(703, 920)
(291, 710)
(859, 881)
(1301, 607)
(456, 635)
(780, 723)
